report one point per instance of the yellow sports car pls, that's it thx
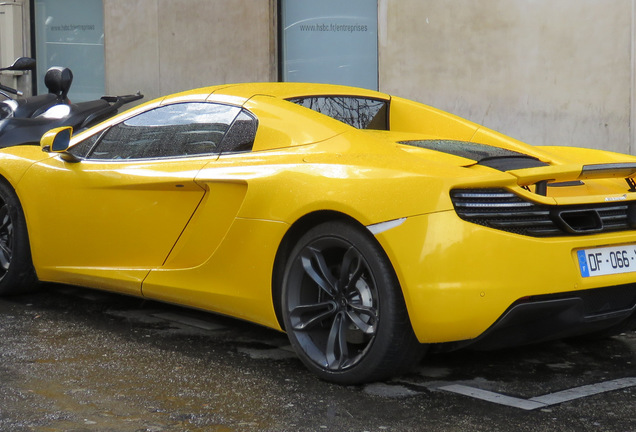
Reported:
(366, 226)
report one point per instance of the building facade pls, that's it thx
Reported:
(548, 72)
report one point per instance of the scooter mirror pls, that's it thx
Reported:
(21, 64)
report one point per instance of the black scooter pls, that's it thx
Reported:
(23, 120)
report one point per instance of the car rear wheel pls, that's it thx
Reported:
(16, 268)
(343, 308)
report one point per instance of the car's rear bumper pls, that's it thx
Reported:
(464, 282)
(547, 317)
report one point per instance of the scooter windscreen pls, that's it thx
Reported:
(7, 108)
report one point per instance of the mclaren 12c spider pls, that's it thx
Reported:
(367, 227)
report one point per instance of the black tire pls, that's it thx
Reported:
(16, 267)
(343, 308)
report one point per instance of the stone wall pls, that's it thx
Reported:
(548, 72)
(164, 46)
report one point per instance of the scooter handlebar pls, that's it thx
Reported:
(10, 90)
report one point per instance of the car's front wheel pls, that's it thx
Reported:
(16, 268)
(343, 308)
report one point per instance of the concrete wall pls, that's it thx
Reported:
(548, 72)
(164, 46)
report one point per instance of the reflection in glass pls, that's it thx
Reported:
(178, 130)
(361, 113)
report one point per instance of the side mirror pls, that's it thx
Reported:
(58, 141)
(21, 64)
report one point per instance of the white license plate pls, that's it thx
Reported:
(607, 260)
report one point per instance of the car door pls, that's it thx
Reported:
(110, 218)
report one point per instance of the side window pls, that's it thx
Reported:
(361, 113)
(82, 148)
(184, 129)
(240, 137)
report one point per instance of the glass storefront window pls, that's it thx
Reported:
(330, 41)
(70, 33)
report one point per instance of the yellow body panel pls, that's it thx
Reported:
(234, 280)
(110, 215)
(461, 277)
(17, 160)
(205, 231)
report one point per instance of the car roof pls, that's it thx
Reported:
(243, 92)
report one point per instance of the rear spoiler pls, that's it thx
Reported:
(541, 176)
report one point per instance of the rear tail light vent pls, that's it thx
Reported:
(506, 211)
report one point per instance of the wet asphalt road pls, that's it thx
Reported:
(80, 360)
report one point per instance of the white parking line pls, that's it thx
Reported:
(584, 391)
(493, 397)
(541, 401)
